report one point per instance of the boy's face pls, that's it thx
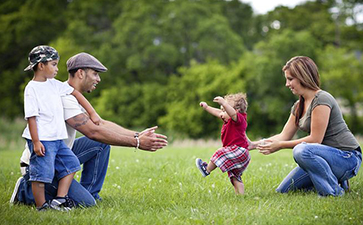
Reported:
(51, 69)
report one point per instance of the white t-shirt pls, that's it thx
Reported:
(71, 108)
(43, 100)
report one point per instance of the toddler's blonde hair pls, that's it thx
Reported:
(240, 101)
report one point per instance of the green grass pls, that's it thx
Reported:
(166, 188)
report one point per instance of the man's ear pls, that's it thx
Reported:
(80, 73)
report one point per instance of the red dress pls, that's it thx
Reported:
(233, 157)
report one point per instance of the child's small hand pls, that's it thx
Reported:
(219, 100)
(96, 119)
(203, 104)
(39, 148)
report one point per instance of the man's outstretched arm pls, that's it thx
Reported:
(114, 134)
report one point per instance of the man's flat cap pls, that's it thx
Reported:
(84, 60)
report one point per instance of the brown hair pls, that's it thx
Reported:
(72, 72)
(305, 70)
(35, 67)
(240, 101)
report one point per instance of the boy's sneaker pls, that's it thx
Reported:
(14, 196)
(62, 204)
(202, 166)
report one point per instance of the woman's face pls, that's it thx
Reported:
(293, 83)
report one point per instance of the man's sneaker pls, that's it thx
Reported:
(345, 185)
(62, 204)
(202, 166)
(14, 196)
(44, 207)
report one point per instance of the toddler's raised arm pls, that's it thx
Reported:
(214, 111)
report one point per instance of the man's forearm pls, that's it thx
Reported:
(110, 137)
(102, 133)
(117, 128)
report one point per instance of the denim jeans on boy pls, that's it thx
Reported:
(58, 157)
(321, 167)
(94, 156)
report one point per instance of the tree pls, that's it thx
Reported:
(200, 82)
(341, 75)
(23, 25)
(270, 101)
(313, 17)
(153, 39)
(136, 105)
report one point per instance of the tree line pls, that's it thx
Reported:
(165, 56)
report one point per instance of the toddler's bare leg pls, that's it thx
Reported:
(239, 187)
(211, 166)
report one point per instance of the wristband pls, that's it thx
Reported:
(137, 142)
(136, 134)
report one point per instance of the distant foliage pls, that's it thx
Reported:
(164, 57)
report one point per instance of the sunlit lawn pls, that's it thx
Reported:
(166, 188)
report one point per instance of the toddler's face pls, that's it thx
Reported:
(224, 115)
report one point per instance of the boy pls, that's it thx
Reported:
(46, 129)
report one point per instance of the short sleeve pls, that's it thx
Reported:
(66, 89)
(323, 98)
(63, 87)
(30, 103)
(71, 107)
(293, 108)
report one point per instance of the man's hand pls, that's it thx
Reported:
(148, 130)
(39, 148)
(151, 141)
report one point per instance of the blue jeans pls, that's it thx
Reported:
(58, 157)
(94, 156)
(321, 167)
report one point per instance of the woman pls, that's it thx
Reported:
(329, 155)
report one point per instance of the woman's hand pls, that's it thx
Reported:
(269, 146)
(254, 144)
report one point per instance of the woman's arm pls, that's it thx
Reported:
(272, 144)
(287, 132)
(319, 123)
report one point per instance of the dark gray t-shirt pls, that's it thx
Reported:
(337, 133)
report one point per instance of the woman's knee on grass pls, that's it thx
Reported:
(301, 152)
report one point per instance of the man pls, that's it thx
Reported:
(93, 149)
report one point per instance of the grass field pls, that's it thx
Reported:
(166, 188)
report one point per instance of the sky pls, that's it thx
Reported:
(263, 6)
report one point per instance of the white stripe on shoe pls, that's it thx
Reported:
(14, 196)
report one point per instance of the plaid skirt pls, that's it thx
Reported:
(233, 159)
